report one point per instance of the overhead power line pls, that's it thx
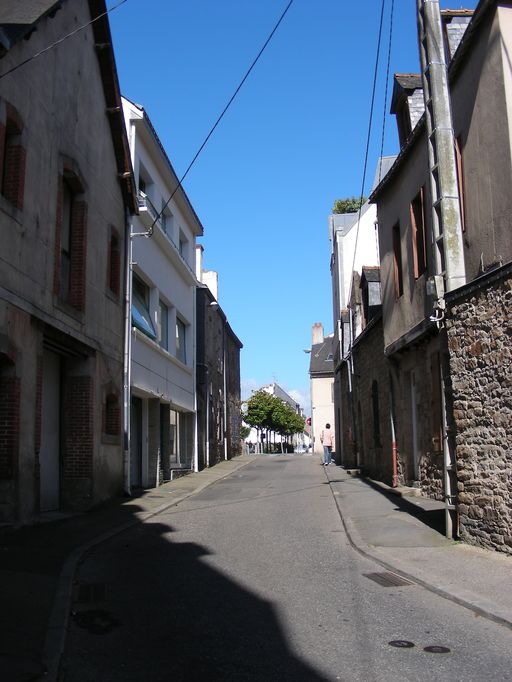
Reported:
(368, 137)
(219, 119)
(60, 40)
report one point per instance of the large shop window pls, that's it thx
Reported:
(141, 317)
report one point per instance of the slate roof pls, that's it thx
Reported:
(18, 19)
(321, 361)
(371, 273)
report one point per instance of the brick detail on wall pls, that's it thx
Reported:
(56, 248)
(114, 264)
(78, 254)
(9, 425)
(13, 186)
(78, 429)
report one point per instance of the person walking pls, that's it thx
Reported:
(327, 439)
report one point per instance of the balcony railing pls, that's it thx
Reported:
(147, 212)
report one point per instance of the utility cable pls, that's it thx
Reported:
(219, 119)
(61, 40)
(368, 137)
(386, 91)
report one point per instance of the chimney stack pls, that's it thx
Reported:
(318, 333)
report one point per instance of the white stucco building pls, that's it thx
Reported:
(163, 399)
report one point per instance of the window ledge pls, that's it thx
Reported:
(164, 353)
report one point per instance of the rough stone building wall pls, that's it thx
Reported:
(348, 445)
(373, 404)
(479, 327)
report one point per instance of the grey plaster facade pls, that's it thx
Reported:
(61, 268)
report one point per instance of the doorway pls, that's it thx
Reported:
(136, 443)
(50, 455)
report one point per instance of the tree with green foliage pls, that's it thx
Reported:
(348, 205)
(244, 430)
(266, 412)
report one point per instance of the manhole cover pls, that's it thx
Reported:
(437, 649)
(387, 579)
(96, 621)
(401, 644)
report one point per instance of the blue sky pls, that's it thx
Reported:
(292, 142)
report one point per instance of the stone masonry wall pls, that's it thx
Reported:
(479, 326)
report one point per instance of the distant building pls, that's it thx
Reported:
(321, 374)
(163, 392)
(218, 374)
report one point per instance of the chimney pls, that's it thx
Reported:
(318, 333)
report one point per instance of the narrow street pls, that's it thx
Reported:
(254, 579)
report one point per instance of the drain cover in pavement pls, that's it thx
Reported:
(96, 621)
(387, 579)
(437, 649)
(401, 644)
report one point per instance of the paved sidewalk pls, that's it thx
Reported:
(404, 534)
(37, 568)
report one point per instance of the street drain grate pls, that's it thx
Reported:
(401, 644)
(96, 621)
(437, 649)
(91, 592)
(387, 579)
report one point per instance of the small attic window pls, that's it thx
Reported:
(329, 358)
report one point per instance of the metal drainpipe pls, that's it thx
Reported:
(127, 359)
(351, 384)
(224, 389)
(194, 374)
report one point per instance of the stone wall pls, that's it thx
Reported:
(373, 404)
(479, 327)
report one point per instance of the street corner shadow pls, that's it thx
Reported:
(433, 518)
(169, 614)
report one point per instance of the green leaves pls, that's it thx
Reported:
(265, 411)
(348, 205)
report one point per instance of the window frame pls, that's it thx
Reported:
(397, 260)
(418, 233)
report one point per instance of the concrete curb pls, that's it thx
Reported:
(362, 548)
(58, 622)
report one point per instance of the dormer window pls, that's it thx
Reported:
(407, 103)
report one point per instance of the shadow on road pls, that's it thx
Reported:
(156, 610)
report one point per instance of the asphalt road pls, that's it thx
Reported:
(254, 579)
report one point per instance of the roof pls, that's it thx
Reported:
(321, 361)
(168, 162)
(464, 46)
(404, 83)
(371, 273)
(19, 19)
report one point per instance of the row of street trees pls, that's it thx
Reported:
(270, 415)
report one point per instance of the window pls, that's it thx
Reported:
(418, 234)
(403, 119)
(164, 326)
(12, 175)
(180, 341)
(114, 263)
(71, 240)
(65, 241)
(141, 317)
(460, 180)
(397, 262)
(183, 245)
(167, 221)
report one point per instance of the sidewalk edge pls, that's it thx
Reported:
(58, 622)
